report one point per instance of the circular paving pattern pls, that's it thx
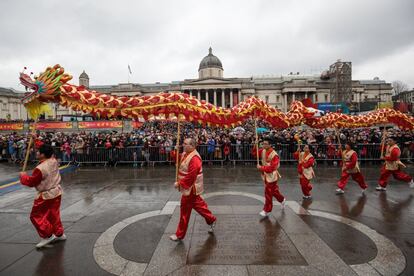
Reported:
(295, 239)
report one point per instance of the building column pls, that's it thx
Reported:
(293, 96)
(198, 95)
(239, 94)
(231, 98)
(215, 97)
(223, 104)
(306, 95)
(285, 102)
(19, 112)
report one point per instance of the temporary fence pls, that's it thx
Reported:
(235, 153)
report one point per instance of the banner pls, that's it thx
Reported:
(338, 107)
(11, 126)
(101, 124)
(52, 125)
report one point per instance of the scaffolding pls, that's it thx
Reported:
(340, 74)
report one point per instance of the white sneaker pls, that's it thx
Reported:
(283, 203)
(61, 238)
(263, 214)
(363, 191)
(44, 242)
(307, 197)
(381, 189)
(174, 238)
(339, 191)
(211, 230)
(411, 184)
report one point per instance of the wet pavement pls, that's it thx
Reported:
(118, 221)
(10, 170)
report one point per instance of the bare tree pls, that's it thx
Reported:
(399, 87)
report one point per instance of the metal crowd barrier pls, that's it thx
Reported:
(239, 153)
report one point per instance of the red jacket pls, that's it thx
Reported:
(351, 164)
(303, 165)
(33, 180)
(38, 143)
(273, 164)
(194, 168)
(395, 155)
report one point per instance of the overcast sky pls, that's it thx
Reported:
(166, 40)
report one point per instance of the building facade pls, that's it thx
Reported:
(333, 85)
(405, 97)
(11, 107)
(279, 92)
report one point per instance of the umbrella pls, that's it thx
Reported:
(239, 129)
(262, 129)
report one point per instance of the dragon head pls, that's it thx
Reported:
(45, 86)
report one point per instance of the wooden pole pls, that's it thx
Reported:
(26, 159)
(384, 135)
(257, 140)
(177, 165)
(339, 142)
(298, 150)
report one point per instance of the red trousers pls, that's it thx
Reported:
(188, 203)
(357, 177)
(306, 185)
(271, 190)
(45, 217)
(398, 174)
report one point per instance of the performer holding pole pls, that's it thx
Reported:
(392, 166)
(350, 167)
(305, 170)
(190, 184)
(45, 214)
(270, 175)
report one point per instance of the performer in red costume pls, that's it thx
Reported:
(305, 170)
(190, 184)
(392, 167)
(45, 214)
(270, 175)
(350, 167)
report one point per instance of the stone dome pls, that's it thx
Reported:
(210, 61)
(84, 75)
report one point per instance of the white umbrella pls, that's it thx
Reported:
(239, 129)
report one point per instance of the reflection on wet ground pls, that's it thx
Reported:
(96, 198)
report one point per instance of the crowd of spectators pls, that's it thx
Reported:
(217, 142)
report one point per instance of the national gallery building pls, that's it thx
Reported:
(333, 85)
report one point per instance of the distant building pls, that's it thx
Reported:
(279, 92)
(334, 85)
(405, 97)
(11, 107)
